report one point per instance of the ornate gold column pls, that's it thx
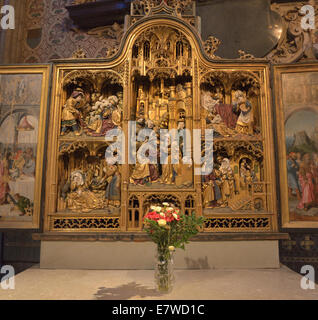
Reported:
(128, 103)
(197, 125)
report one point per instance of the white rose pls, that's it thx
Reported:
(170, 209)
(158, 209)
(162, 222)
(153, 208)
(175, 216)
(166, 204)
(162, 215)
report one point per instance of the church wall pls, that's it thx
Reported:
(45, 32)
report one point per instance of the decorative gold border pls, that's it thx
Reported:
(233, 221)
(9, 223)
(77, 222)
(279, 70)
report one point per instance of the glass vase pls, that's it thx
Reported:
(164, 275)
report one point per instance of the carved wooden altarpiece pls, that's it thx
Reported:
(162, 77)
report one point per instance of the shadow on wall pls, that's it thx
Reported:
(201, 263)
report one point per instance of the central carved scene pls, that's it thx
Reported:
(162, 100)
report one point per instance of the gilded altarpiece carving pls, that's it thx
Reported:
(161, 81)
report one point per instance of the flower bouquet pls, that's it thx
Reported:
(169, 230)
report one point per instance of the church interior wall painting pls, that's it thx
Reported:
(297, 127)
(23, 101)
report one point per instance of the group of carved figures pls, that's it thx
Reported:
(163, 170)
(93, 114)
(228, 120)
(222, 186)
(159, 115)
(96, 187)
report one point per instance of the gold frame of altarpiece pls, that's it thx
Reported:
(44, 71)
(285, 110)
(121, 66)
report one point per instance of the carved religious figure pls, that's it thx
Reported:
(219, 116)
(244, 110)
(227, 182)
(113, 190)
(71, 114)
(246, 178)
(80, 199)
(183, 172)
(212, 196)
(145, 172)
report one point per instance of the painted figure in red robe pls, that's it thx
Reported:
(306, 179)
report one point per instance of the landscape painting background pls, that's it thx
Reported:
(300, 100)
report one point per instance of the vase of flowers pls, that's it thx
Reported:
(169, 230)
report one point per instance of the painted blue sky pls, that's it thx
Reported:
(301, 121)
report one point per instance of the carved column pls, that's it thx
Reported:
(128, 103)
(197, 125)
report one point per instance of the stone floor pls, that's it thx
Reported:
(273, 284)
